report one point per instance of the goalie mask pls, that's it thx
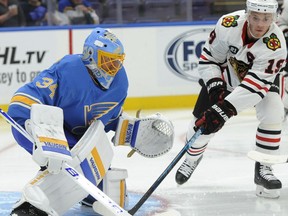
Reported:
(103, 54)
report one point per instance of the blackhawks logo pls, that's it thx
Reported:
(272, 42)
(230, 21)
(240, 67)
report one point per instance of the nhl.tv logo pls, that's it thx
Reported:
(182, 54)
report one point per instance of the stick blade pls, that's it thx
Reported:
(266, 158)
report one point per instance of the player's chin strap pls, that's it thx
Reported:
(150, 136)
(73, 174)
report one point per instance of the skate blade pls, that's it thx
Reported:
(267, 193)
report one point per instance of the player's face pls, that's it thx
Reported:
(259, 23)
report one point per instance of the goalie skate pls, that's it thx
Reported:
(186, 169)
(267, 185)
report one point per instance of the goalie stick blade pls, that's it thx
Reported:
(266, 158)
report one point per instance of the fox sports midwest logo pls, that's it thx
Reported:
(182, 54)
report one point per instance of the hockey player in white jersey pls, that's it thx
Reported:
(239, 67)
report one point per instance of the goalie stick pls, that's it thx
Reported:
(165, 172)
(267, 158)
(74, 175)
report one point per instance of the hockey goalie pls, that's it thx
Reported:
(68, 110)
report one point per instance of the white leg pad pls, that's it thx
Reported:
(114, 185)
(95, 150)
(54, 194)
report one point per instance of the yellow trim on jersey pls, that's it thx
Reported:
(23, 99)
(98, 161)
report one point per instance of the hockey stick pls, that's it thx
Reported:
(266, 158)
(74, 175)
(165, 172)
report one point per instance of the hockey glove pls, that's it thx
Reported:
(50, 144)
(217, 90)
(213, 119)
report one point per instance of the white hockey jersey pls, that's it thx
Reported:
(249, 69)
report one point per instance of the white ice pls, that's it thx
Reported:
(221, 185)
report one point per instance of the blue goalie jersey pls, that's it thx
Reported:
(67, 84)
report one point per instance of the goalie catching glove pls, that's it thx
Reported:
(151, 136)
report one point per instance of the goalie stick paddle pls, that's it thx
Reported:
(267, 158)
(165, 172)
(74, 175)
